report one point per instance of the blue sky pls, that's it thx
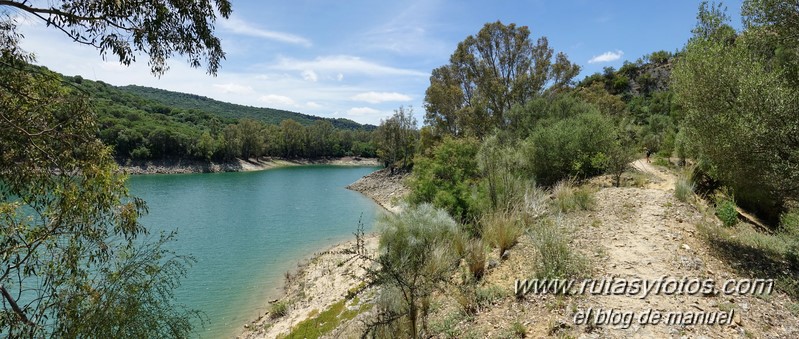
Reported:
(363, 59)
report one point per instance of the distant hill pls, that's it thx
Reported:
(227, 110)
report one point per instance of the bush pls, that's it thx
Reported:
(571, 147)
(415, 257)
(278, 309)
(445, 178)
(683, 189)
(725, 210)
(570, 198)
(502, 230)
(476, 258)
(789, 223)
(556, 258)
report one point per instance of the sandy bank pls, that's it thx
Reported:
(240, 165)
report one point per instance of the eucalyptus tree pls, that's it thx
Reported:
(490, 73)
(74, 261)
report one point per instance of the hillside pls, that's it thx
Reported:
(639, 231)
(228, 110)
(143, 124)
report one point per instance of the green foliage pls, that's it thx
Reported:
(616, 160)
(556, 259)
(571, 147)
(415, 257)
(125, 29)
(683, 189)
(758, 254)
(224, 110)
(498, 166)
(789, 223)
(570, 198)
(325, 322)
(660, 57)
(501, 67)
(725, 210)
(73, 262)
(396, 139)
(278, 310)
(445, 178)
(741, 104)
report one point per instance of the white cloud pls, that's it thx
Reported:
(238, 26)
(309, 75)
(343, 63)
(606, 57)
(340, 77)
(378, 97)
(362, 111)
(234, 88)
(274, 99)
(312, 105)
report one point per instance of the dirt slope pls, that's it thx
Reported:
(647, 233)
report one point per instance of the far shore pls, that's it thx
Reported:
(239, 165)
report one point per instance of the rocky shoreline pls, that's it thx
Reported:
(329, 277)
(239, 165)
(384, 188)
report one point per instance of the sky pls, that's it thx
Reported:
(363, 59)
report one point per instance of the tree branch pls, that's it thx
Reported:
(15, 307)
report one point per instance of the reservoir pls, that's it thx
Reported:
(247, 229)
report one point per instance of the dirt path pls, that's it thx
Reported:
(645, 233)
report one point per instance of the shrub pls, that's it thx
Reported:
(415, 257)
(570, 147)
(476, 258)
(556, 258)
(445, 178)
(278, 309)
(725, 210)
(502, 230)
(570, 198)
(683, 189)
(789, 223)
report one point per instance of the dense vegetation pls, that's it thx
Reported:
(508, 134)
(169, 125)
(227, 110)
(74, 262)
(506, 122)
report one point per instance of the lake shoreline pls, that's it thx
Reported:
(239, 165)
(329, 275)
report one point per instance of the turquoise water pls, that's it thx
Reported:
(247, 229)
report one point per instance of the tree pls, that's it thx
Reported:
(740, 104)
(416, 256)
(292, 138)
(396, 138)
(490, 73)
(445, 178)
(252, 139)
(205, 147)
(156, 27)
(71, 263)
(72, 260)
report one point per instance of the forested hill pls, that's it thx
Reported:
(142, 123)
(227, 110)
